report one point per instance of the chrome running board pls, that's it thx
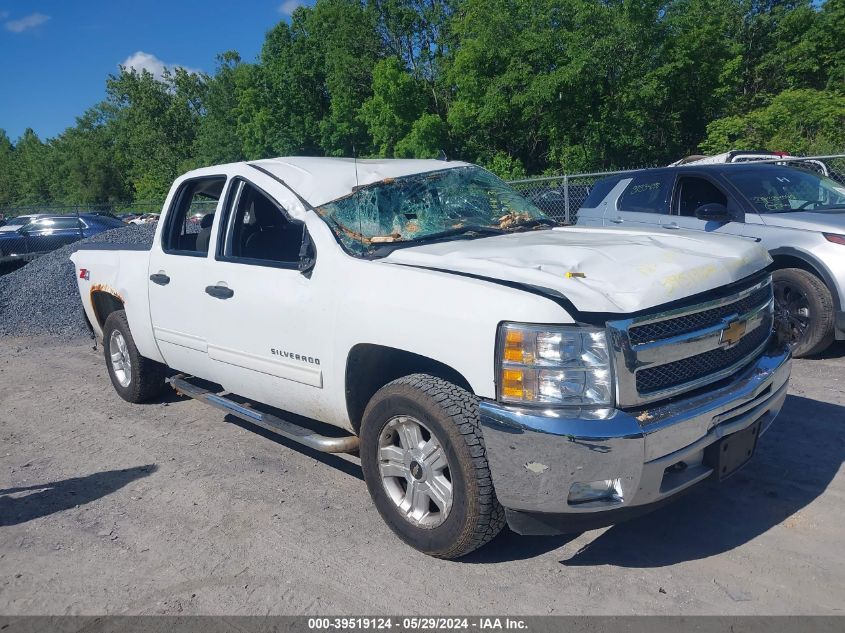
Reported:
(274, 424)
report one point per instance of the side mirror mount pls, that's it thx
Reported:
(716, 212)
(307, 254)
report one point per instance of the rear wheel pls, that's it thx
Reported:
(424, 461)
(806, 306)
(135, 378)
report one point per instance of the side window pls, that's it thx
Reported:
(62, 223)
(259, 230)
(696, 192)
(191, 215)
(648, 193)
(53, 224)
(598, 192)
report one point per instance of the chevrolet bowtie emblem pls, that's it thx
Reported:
(732, 334)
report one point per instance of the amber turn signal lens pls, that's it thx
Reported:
(513, 383)
(514, 351)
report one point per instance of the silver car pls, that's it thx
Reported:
(799, 215)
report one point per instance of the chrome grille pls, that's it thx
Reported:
(695, 367)
(663, 355)
(698, 320)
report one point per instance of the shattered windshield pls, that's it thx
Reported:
(443, 204)
(776, 189)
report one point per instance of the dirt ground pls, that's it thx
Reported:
(168, 508)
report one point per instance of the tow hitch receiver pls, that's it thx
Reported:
(290, 430)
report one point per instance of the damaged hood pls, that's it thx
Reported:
(610, 270)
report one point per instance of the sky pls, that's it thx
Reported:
(59, 52)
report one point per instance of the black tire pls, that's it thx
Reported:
(807, 305)
(145, 377)
(450, 413)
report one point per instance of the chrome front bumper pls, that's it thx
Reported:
(536, 455)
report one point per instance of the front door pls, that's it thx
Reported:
(271, 339)
(693, 192)
(179, 273)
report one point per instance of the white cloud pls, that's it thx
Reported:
(141, 61)
(289, 6)
(27, 22)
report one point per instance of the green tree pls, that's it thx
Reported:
(427, 138)
(86, 167)
(155, 124)
(397, 102)
(8, 184)
(801, 121)
(218, 139)
(349, 45)
(31, 169)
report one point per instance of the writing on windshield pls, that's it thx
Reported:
(776, 189)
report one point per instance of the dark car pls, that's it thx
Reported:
(559, 202)
(26, 237)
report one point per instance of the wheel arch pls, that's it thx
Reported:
(369, 367)
(787, 257)
(104, 301)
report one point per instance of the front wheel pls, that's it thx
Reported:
(426, 468)
(806, 306)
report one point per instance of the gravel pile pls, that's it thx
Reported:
(42, 297)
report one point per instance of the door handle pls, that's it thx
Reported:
(617, 220)
(670, 225)
(160, 278)
(220, 292)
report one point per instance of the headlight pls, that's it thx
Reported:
(553, 365)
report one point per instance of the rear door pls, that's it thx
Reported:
(645, 201)
(179, 272)
(599, 200)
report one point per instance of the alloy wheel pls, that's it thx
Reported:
(120, 362)
(415, 471)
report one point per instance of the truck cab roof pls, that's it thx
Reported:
(319, 180)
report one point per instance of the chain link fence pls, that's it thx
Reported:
(561, 196)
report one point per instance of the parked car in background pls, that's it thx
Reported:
(146, 218)
(560, 202)
(797, 214)
(105, 214)
(18, 221)
(26, 237)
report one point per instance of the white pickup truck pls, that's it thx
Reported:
(489, 366)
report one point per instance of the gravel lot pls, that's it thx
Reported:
(107, 507)
(41, 297)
